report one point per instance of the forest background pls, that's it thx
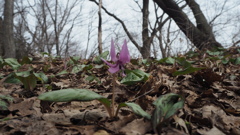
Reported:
(197, 92)
(84, 28)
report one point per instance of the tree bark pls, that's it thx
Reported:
(145, 49)
(56, 29)
(1, 37)
(9, 46)
(147, 36)
(201, 35)
(100, 27)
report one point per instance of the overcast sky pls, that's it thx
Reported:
(129, 12)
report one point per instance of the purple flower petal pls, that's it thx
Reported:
(114, 69)
(112, 52)
(124, 55)
(109, 64)
(123, 74)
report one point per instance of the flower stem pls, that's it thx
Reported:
(113, 94)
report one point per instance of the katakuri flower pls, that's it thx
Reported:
(119, 59)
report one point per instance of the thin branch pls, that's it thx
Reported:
(121, 22)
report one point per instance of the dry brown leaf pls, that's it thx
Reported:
(24, 108)
(213, 131)
(181, 122)
(136, 127)
(101, 132)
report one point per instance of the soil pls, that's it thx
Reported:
(211, 107)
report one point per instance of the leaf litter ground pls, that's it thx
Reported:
(212, 97)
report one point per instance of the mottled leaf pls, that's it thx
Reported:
(67, 95)
(237, 61)
(25, 60)
(187, 70)
(168, 60)
(136, 109)
(13, 63)
(98, 60)
(28, 79)
(165, 107)
(134, 76)
(42, 77)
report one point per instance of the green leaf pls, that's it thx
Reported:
(77, 68)
(134, 76)
(6, 97)
(225, 61)
(99, 66)
(3, 105)
(192, 54)
(168, 60)
(141, 74)
(187, 71)
(67, 95)
(12, 62)
(131, 79)
(28, 79)
(45, 53)
(46, 67)
(174, 109)
(136, 61)
(237, 61)
(91, 78)
(42, 77)
(26, 60)
(5, 119)
(74, 60)
(63, 72)
(215, 53)
(165, 107)
(105, 101)
(147, 62)
(1, 75)
(88, 67)
(97, 60)
(183, 62)
(11, 78)
(136, 109)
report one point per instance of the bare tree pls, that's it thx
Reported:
(164, 42)
(89, 30)
(54, 26)
(100, 27)
(147, 34)
(41, 38)
(60, 18)
(1, 28)
(9, 46)
(22, 47)
(1, 37)
(201, 35)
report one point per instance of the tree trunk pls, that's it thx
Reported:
(56, 27)
(201, 35)
(100, 28)
(9, 46)
(1, 37)
(145, 49)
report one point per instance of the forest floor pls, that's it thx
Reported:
(211, 106)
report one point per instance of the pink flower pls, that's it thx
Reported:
(119, 60)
